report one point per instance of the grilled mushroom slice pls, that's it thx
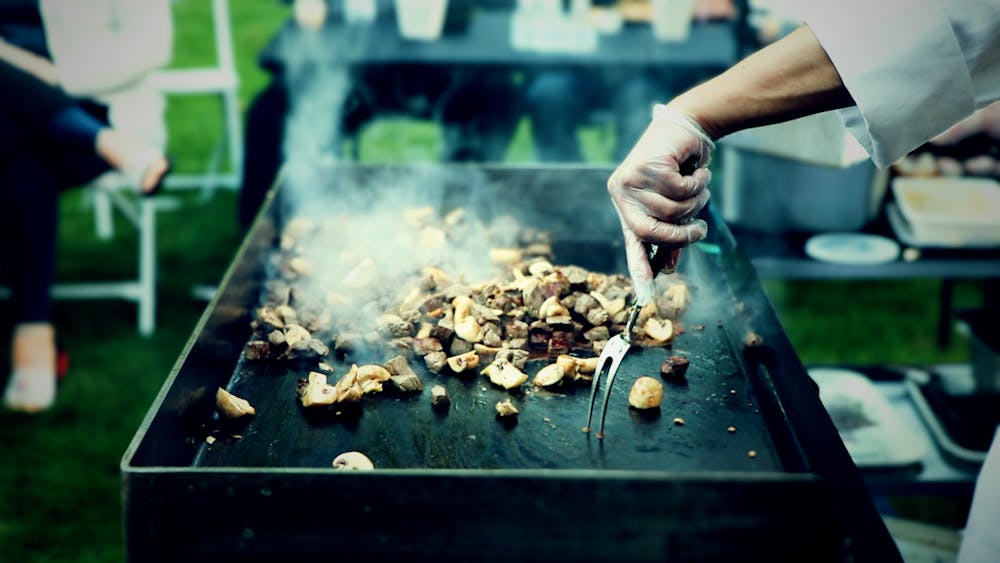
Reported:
(646, 393)
(657, 331)
(505, 374)
(356, 461)
(549, 375)
(462, 362)
(231, 406)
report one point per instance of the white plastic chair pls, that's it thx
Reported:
(222, 80)
(112, 191)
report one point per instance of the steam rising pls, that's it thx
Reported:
(367, 242)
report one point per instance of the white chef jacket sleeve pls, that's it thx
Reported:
(980, 542)
(913, 67)
(101, 46)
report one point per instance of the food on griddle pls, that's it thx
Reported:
(674, 366)
(462, 362)
(505, 374)
(531, 305)
(356, 461)
(752, 454)
(231, 406)
(658, 331)
(418, 303)
(586, 366)
(679, 421)
(370, 377)
(439, 398)
(646, 393)
(753, 340)
(435, 361)
(549, 375)
(731, 429)
(401, 376)
(315, 391)
(506, 408)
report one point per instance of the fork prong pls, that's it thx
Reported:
(602, 360)
(616, 361)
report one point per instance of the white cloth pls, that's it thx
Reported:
(914, 67)
(106, 49)
(981, 540)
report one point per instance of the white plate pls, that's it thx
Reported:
(873, 433)
(852, 248)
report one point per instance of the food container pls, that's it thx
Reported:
(421, 20)
(805, 175)
(948, 212)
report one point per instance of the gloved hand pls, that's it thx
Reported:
(654, 200)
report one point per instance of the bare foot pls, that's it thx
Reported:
(32, 384)
(144, 165)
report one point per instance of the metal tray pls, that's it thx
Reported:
(463, 486)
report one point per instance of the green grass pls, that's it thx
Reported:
(59, 481)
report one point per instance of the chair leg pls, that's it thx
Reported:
(103, 216)
(147, 267)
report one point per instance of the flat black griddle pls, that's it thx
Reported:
(464, 486)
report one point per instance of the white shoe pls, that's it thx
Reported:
(30, 390)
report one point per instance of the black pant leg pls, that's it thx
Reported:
(28, 213)
(265, 127)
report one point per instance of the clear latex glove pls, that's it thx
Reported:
(655, 201)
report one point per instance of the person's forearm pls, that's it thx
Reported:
(29, 62)
(788, 79)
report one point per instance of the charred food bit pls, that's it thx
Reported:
(439, 398)
(257, 350)
(232, 406)
(402, 378)
(646, 393)
(356, 461)
(436, 361)
(506, 408)
(674, 366)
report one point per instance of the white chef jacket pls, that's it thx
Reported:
(106, 49)
(913, 67)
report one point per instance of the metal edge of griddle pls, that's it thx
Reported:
(261, 223)
(325, 512)
(803, 420)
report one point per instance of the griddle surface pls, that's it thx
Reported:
(404, 432)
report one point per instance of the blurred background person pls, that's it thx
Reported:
(99, 52)
(560, 101)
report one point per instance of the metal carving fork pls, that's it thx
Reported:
(618, 345)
